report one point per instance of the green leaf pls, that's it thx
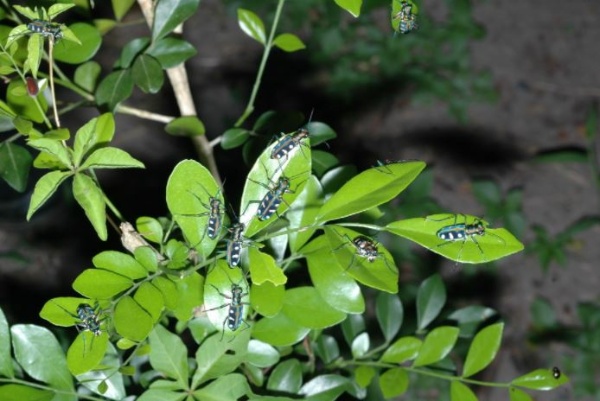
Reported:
(150, 298)
(352, 6)
(108, 381)
(62, 311)
(263, 268)
(329, 387)
(91, 199)
(114, 88)
(460, 392)
(15, 162)
(189, 189)
(87, 283)
(430, 300)
(110, 157)
(252, 25)
(170, 52)
(131, 51)
(261, 354)
(57, 9)
(131, 320)
(404, 349)
(120, 263)
(234, 137)
(217, 358)
(96, 132)
(170, 13)
(562, 156)
(469, 318)
(78, 53)
(353, 326)
(148, 257)
(518, 395)
(44, 188)
(190, 290)
(286, 377)
(493, 244)
(363, 375)
(437, 344)
(185, 126)
(336, 288)
(540, 379)
(86, 352)
(380, 273)
(147, 73)
(369, 189)
(55, 148)
(267, 298)
(230, 387)
(168, 290)
(322, 162)
(6, 367)
(150, 228)
(390, 314)
(393, 382)
(360, 345)
(27, 12)
(289, 42)
(483, 349)
(279, 330)
(40, 355)
(168, 355)
(305, 306)
(120, 7)
(34, 53)
(161, 395)
(20, 392)
(310, 198)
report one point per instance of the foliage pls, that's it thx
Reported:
(260, 327)
(355, 57)
(582, 337)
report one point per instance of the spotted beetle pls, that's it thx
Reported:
(462, 232)
(408, 20)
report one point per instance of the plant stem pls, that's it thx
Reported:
(148, 115)
(250, 107)
(52, 389)
(183, 94)
(51, 77)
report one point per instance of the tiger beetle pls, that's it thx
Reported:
(235, 315)
(383, 166)
(235, 244)
(273, 198)
(462, 232)
(289, 142)
(37, 26)
(89, 320)
(214, 213)
(365, 248)
(408, 20)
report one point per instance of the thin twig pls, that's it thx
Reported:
(148, 115)
(51, 77)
